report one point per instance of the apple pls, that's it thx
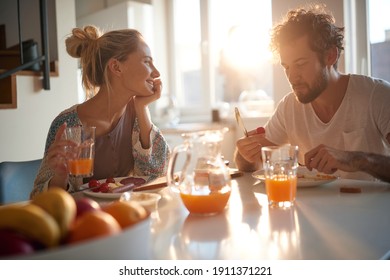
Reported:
(13, 243)
(86, 204)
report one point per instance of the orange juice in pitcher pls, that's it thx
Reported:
(203, 182)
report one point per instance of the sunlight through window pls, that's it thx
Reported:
(219, 55)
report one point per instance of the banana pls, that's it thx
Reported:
(59, 204)
(31, 220)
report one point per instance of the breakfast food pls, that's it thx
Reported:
(350, 190)
(31, 221)
(55, 219)
(59, 205)
(110, 185)
(91, 225)
(133, 180)
(14, 243)
(127, 213)
(84, 205)
(123, 188)
(317, 176)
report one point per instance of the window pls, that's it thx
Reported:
(367, 38)
(220, 53)
(379, 37)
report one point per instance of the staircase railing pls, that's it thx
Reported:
(44, 58)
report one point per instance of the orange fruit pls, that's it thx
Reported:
(127, 213)
(93, 224)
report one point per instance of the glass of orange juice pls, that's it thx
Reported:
(280, 165)
(80, 157)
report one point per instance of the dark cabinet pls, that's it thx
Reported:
(25, 45)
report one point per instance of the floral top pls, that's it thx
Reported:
(117, 154)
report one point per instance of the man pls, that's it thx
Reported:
(352, 161)
(326, 110)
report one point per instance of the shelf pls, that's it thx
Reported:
(8, 88)
(23, 58)
(53, 68)
(8, 92)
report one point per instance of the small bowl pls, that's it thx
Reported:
(147, 200)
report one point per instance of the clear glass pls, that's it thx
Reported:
(80, 158)
(280, 165)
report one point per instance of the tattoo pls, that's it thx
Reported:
(376, 165)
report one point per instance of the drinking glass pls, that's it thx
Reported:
(80, 157)
(280, 165)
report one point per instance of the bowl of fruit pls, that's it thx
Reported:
(55, 225)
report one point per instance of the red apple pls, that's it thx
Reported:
(86, 204)
(13, 243)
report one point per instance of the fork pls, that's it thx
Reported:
(240, 122)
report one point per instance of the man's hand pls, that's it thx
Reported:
(248, 152)
(328, 160)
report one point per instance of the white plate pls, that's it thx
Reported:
(116, 195)
(306, 178)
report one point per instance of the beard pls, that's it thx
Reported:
(306, 93)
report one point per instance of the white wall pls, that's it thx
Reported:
(24, 129)
(128, 14)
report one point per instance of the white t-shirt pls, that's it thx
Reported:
(361, 123)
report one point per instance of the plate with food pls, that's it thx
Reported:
(112, 188)
(306, 178)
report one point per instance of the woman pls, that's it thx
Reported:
(121, 81)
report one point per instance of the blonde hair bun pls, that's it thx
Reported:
(82, 39)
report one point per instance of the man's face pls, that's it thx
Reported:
(304, 70)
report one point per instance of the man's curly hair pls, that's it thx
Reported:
(312, 21)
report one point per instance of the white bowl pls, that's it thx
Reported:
(148, 200)
(132, 243)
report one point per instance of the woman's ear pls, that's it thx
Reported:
(114, 66)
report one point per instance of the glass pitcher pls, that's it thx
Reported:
(203, 180)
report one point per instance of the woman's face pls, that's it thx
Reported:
(138, 72)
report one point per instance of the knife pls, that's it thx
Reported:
(150, 187)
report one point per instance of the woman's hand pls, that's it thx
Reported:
(56, 157)
(143, 101)
(143, 114)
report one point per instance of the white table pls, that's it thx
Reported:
(324, 224)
